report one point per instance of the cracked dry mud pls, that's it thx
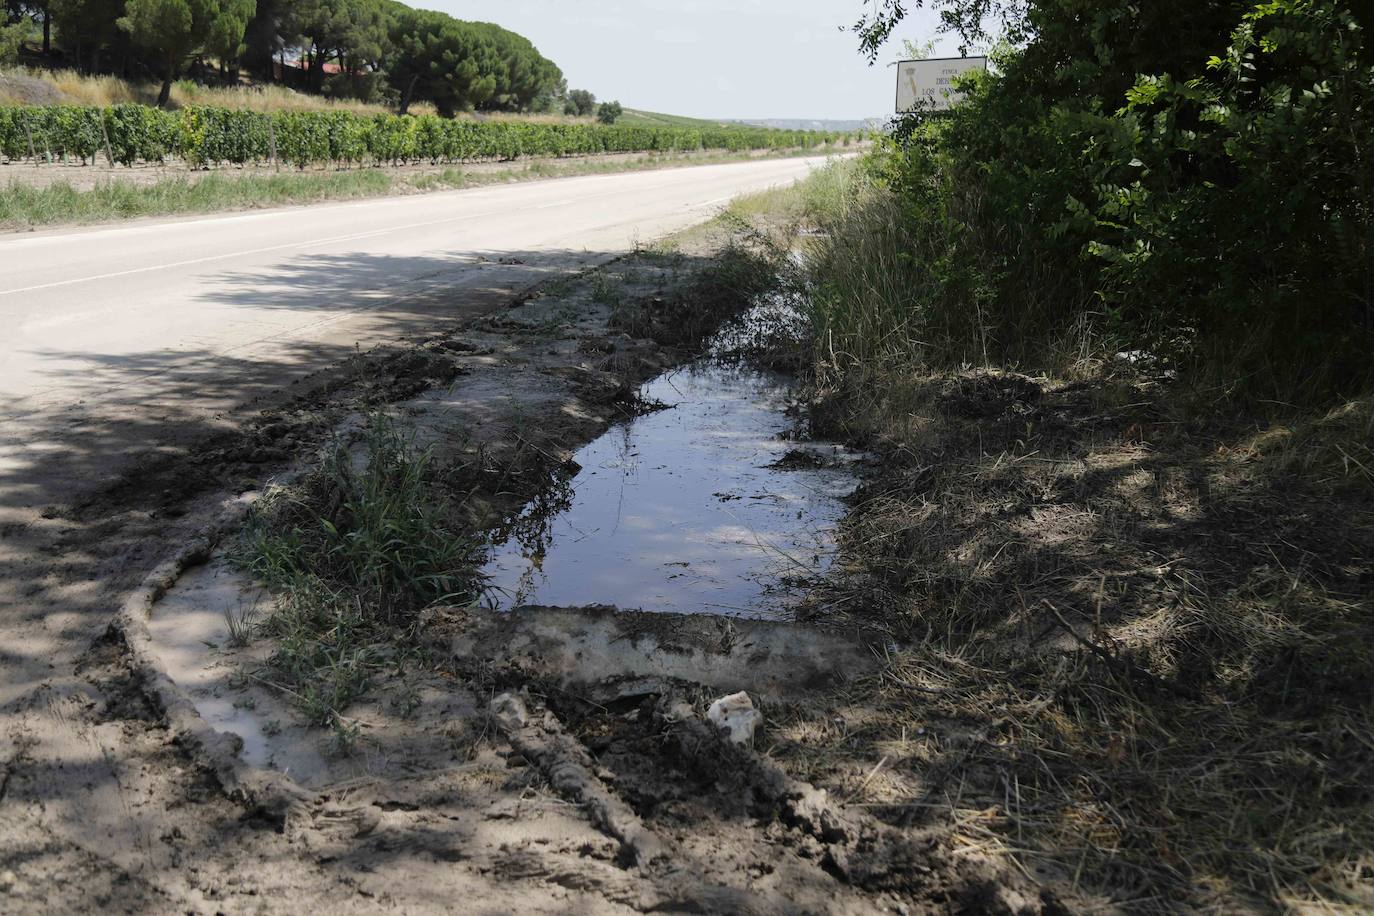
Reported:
(550, 760)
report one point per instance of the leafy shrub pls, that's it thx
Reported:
(11, 40)
(139, 132)
(609, 112)
(1195, 184)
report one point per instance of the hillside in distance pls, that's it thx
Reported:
(652, 118)
(814, 124)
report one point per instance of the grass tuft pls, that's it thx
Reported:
(353, 555)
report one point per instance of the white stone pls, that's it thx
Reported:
(736, 714)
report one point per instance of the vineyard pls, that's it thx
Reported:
(205, 137)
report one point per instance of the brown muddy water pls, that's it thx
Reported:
(711, 504)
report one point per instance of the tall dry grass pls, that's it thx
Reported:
(75, 88)
(898, 283)
(79, 89)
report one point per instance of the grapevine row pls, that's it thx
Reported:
(206, 137)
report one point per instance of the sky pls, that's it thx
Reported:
(711, 58)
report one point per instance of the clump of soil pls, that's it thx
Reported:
(685, 315)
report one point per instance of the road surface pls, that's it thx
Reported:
(115, 333)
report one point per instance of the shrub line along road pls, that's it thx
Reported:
(114, 331)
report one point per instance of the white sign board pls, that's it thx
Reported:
(927, 84)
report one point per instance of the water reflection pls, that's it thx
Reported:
(682, 509)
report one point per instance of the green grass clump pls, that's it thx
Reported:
(352, 556)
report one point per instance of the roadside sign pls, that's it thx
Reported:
(926, 84)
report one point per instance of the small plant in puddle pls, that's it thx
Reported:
(242, 622)
(353, 554)
(344, 735)
(660, 255)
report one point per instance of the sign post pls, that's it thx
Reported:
(927, 85)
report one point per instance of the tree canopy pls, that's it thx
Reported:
(580, 102)
(171, 30)
(345, 47)
(461, 65)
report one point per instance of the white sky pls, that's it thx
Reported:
(710, 58)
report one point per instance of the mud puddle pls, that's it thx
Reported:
(198, 641)
(708, 504)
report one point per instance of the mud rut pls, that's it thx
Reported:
(551, 760)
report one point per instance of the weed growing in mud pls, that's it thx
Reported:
(664, 255)
(352, 556)
(368, 522)
(557, 288)
(607, 290)
(241, 622)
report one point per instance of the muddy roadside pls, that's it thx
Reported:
(468, 768)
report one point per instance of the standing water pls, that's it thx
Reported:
(709, 505)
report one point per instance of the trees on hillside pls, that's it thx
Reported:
(460, 65)
(345, 47)
(225, 38)
(21, 12)
(437, 58)
(609, 112)
(11, 36)
(170, 30)
(89, 29)
(580, 102)
(525, 79)
(351, 33)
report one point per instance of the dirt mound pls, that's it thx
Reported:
(16, 89)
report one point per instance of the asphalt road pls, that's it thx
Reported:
(112, 333)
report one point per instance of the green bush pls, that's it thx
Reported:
(1194, 184)
(11, 40)
(139, 132)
